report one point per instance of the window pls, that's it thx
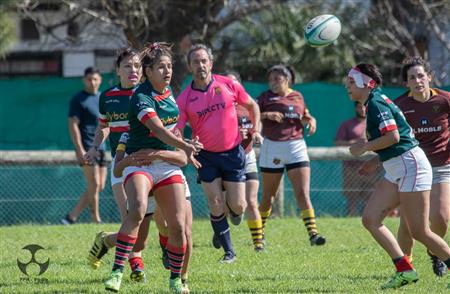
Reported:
(28, 29)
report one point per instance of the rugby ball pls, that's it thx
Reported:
(322, 30)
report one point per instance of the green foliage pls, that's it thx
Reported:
(276, 36)
(7, 29)
(351, 261)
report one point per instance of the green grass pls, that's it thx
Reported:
(351, 261)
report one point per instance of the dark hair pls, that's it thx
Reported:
(124, 54)
(91, 70)
(284, 71)
(151, 53)
(197, 47)
(411, 62)
(234, 73)
(372, 71)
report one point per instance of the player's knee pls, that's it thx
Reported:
(136, 214)
(439, 219)
(177, 229)
(420, 233)
(239, 208)
(368, 221)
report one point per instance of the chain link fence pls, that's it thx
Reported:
(43, 186)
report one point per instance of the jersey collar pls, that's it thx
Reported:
(433, 92)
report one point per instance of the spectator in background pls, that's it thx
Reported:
(357, 187)
(83, 121)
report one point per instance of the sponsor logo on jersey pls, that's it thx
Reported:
(169, 120)
(142, 104)
(112, 101)
(383, 115)
(423, 121)
(428, 130)
(113, 116)
(211, 108)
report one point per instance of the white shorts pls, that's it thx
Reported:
(411, 171)
(159, 173)
(277, 155)
(250, 162)
(114, 180)
(441, 174)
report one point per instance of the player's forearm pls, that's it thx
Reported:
(101, 134)
(255, 116)
(165, 135)
(75, 136)
(384, 141)
(178, 158)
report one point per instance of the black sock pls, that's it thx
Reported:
(222, 230)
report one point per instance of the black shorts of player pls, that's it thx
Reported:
(287, 166)
(251, 176)
(100, 160)
(228, 165)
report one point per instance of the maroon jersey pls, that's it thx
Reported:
(291, 106)
(245, 122)
(430, 122)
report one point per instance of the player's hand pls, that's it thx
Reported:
(197, 144)
(312, 126)
(368, 168)
(91, 155)
(80, 158)
(275, 116)
(191, 150)
(358, 149)
(257, 138)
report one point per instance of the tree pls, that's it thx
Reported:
(7, 32)
(143, 21)
(381, 32)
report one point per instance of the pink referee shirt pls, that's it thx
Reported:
(212, 113)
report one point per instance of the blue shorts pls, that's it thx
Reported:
(228, 165)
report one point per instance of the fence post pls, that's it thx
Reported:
(278, 204)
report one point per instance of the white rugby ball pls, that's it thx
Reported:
(322, 30)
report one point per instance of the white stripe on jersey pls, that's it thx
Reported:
(386, 123)
(144, 112)
(115, 124)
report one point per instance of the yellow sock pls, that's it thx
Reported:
(310, 221)
(410, 257)
(264, 216)
(256, 229)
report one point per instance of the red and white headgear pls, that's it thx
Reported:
(360, 78)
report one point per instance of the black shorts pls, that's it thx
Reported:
(228, 165)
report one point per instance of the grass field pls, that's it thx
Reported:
(350, 262)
